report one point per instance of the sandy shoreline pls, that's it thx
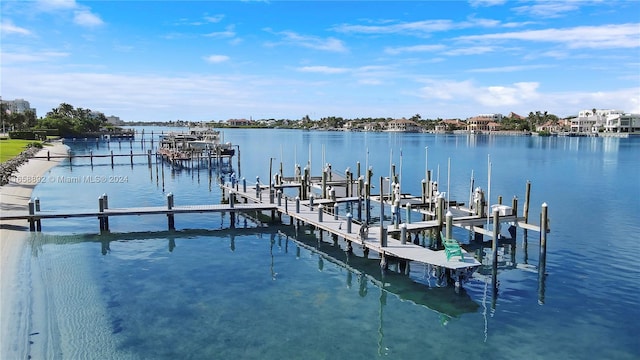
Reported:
(15, 196)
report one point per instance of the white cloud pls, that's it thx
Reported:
(214, 18)
(421, 28)
(55, 5)
(227, 33)
(473, 50)
(312, 42)
(215, 59)
(548, 9)
(9, 58)
(594, 37)
(480, 3)
(413, 49)
(504, 69)
(7, 27)
(86, 18)
(417, 27)
(323, 69)
(488, 96)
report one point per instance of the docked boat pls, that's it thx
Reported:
(195, 143)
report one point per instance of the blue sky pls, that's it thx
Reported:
(201, 60)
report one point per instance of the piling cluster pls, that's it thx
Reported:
(9, 167)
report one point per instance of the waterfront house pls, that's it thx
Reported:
(622, 123)
(403, 125)
(484, 122)
(238, 122)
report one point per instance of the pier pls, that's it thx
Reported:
(416, 229)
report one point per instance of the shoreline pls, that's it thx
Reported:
(14, 312)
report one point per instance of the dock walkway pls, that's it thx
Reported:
(327, 222)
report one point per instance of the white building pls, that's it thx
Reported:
(592, 121)
(622, 123)
(18, 105)
(492, 117)
(403, 125)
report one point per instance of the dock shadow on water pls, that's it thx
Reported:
(248, 293)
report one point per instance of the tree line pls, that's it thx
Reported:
(66, 119)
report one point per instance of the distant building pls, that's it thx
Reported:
(484, 122)
(592, 120)
(114, 120)
(450, 123)
(622, 123)
(238, 122)
(403, 125)
(18, 105)
(513, 115)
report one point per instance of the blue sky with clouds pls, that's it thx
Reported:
(201, 60)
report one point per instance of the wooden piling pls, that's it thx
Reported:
(525, 210)
(494, 244)
(170, 216)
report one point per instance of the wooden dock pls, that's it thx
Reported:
(343, 227)
(389, 236)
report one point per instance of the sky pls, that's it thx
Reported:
(206, 60)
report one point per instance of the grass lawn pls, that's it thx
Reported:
(9, 148)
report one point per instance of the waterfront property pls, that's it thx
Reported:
(281, 291)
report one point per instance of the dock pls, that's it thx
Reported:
(364, 222)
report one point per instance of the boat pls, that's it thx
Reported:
(196, 142)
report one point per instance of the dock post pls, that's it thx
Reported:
(360, 185)
(367, 202)
(348, 182)
(403, 233)
(91, 157)
(149, 158)
(332, 194)
(48, 155)
(170, 218)
(131, 155)
(424, 191)
(320, 209)
(494, 246)
(36, 202)
(286, 205)
(349, 220)
(449, 222)
(544, 226)
(360, 208)
(525, 210)
(32, 224)
(311, 197)
(101, 209)
(105, 200)
(271, 195)
(440, 216)
(408, 213)
(383, 231)
(232, 201)
(244, 185)
(279, 196)
(257, 186)
(324, 184)
(297, 204)
(335, 211)
(398, 212)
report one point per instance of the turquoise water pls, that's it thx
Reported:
(205, 291)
